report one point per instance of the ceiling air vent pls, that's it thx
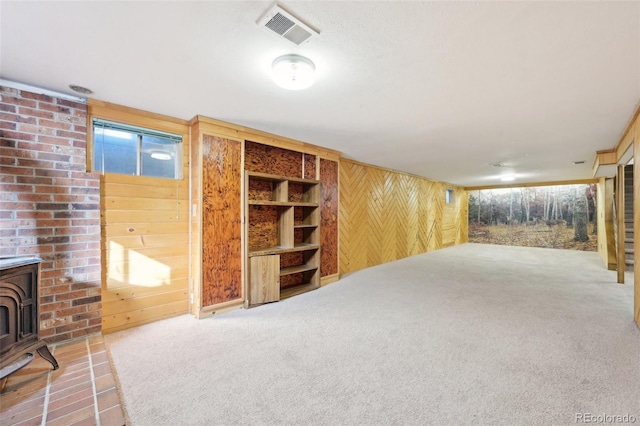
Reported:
(286, 25)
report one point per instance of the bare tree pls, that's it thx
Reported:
(510, 205)
(580, 215)
(525, 203)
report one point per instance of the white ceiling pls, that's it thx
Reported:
(437, 89)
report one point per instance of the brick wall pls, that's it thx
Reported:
(50, 207)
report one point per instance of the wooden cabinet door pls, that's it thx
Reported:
(264, 279)
(221, 220)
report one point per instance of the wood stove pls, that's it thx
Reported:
(19, 321)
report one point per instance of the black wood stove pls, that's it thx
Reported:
(19, 321)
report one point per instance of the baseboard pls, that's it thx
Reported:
(329, 279)
(208, 311)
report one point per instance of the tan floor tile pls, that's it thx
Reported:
(70, 375)
(89, 421)
(99, 358)
(101, 369)
(20, 417)
(108, 399)
(105, 382)
(26, 405)
(70, 391)
(71, 408)
(70, 399)
(36, 421)
(19, 396)
(73, 417)
(112, 416)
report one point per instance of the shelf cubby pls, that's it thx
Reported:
(283, 219)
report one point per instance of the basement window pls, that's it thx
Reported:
(448, 198)
(132, 150)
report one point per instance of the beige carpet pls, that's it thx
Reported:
(473, 334)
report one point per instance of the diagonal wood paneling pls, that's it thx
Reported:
(387, 215)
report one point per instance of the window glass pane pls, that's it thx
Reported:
(115, 151)
(159, 157)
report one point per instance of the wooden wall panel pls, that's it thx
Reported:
(387, 215)
(273, 160)
(145, 225)
(263, 227)
(310, 166)
(221, 220)
(329, 217)
(636, 219)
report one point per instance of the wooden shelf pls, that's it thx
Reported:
(276, 178)
(289, 233)
(282, 249)
(297, 269)
(281, 203)
(297, 289)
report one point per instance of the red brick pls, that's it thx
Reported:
(71, 327)
(25, 171)
(52, 140)
(29, 196)
(78, 106)
(35, 112)
(53, 156)
(56, 306)
(18, 206)
(38, 250)
(8, 161)
(34, 232)
(22, 102)
(19, 136)
(50, 223)
(52, 173)
(40, 130)
(76, 295)
(36, 181)
(8, 232)
(8, 125)
(21, 153)
(36, 96)
(25, 162)
(7, 108)
(56, 124)
(55, 289)
(54, 108)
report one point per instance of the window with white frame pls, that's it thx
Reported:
(132, 150)
(449, 196)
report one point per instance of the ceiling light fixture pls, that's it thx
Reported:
(161, 155)
(508, 178)
(293, 72)
(80, 89)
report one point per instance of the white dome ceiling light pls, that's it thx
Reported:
(293, 72)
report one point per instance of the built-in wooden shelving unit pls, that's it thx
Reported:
(283, 229)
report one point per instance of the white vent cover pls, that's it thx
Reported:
(286, 25)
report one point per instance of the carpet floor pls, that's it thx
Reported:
(472, 334)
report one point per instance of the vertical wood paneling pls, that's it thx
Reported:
(221, 220)
(328, 217)
(387, 215)
(310, 166)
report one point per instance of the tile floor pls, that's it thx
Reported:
(81, 392)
